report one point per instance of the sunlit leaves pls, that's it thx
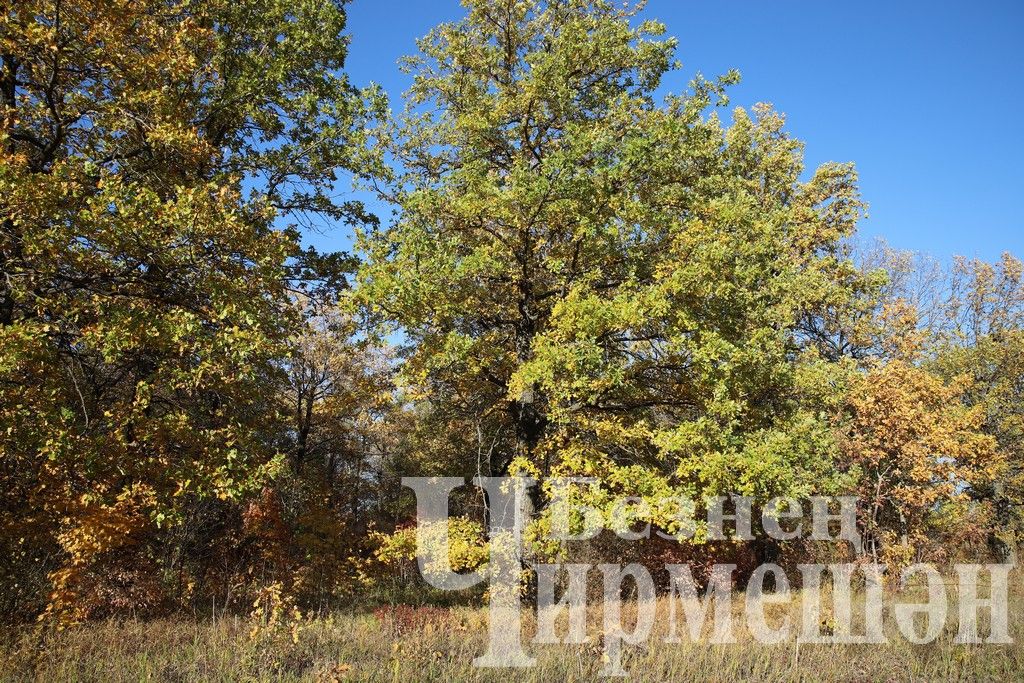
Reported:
(603, 284)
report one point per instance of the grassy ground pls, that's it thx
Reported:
(440, 644)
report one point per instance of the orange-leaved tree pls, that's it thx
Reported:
(916, 451)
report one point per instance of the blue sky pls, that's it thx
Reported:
(926, 98)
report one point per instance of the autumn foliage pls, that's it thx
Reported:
(580, 279)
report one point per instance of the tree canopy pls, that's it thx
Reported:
(582, 277)
(607, 284)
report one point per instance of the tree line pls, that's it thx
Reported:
(579, 278)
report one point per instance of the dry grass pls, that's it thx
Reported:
(440, 644)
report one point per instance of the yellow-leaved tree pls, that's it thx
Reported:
(151, 154)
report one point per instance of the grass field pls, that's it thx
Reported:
(434, 644)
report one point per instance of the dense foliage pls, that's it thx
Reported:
(581, 278)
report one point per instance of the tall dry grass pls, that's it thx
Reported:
(438, 644)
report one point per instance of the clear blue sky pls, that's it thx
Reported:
(927, 98)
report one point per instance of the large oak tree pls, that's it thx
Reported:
(602, 282)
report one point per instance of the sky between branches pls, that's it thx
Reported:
(925, 97)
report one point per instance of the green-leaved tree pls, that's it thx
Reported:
(600, 282)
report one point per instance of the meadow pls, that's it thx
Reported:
(406, 643)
